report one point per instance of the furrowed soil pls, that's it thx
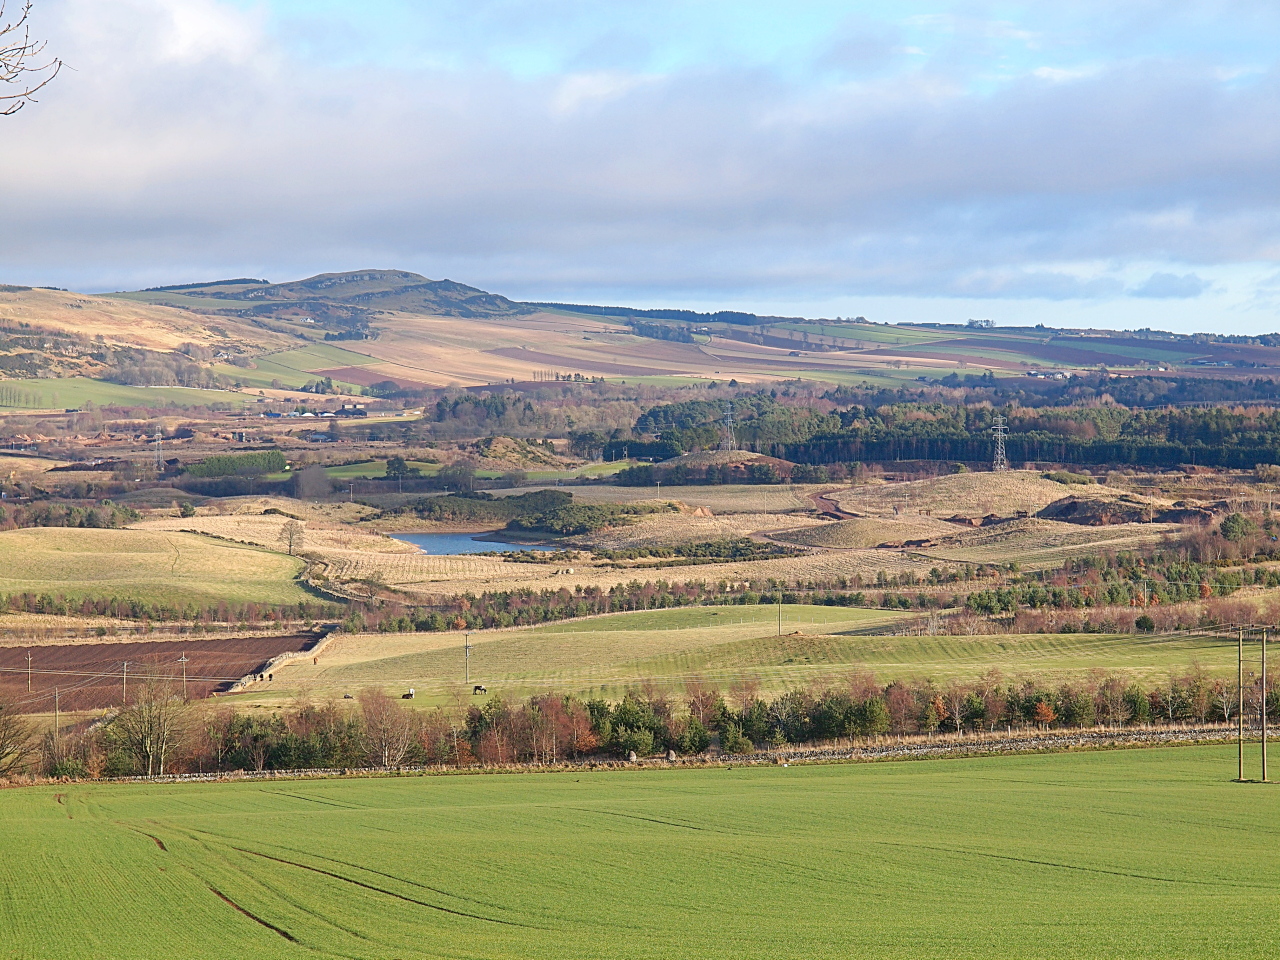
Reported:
(1124, 853)
(90, 676)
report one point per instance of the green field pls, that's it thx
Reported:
(74, 392)
(606, 656)
(293, 368)
(145, 565)
(1137, 853)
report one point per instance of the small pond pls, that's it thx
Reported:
(451, 544)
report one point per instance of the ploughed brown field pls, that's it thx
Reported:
(88, 676)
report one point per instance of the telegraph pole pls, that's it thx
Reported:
(779, 609)
(1264, 704)
(467, 675)
(28, 671)
(1240, 712)
(57, 720)
(183, 660)
(124, 697)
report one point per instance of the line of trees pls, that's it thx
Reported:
(132, 608)
(159, 733)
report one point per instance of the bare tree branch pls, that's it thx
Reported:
(15, 740)
(17, 69)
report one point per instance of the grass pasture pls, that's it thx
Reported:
(723, 645)
(1134, 853)
(74, 392)
(154, 566)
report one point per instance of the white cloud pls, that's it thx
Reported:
(188, 144)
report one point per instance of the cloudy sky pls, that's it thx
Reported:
(1083, 163)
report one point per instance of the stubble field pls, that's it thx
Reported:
(1136, 853)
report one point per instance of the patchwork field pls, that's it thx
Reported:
(1135, 853)
(158, 567)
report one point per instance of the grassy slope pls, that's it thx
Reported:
(606, 655)
(157, 567)
(73, 392)
(1122, 854)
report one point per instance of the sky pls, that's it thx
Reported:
(1087, 164)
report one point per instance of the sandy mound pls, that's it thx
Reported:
(1107, 511)
(964, 494)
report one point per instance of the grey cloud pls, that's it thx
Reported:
(1171, 286)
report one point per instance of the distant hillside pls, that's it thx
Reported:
(342, 303)
(55, 333)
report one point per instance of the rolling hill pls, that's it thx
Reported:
(402, 329)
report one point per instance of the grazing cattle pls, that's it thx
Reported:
(407, 696)
(478, 690)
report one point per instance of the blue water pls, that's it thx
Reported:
(451, 544)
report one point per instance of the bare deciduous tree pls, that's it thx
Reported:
(292, 535)
(19, 71)
(15, 740)
(154, 725)
(389, 728)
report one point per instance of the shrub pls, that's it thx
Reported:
(695, 738)
(732, 740)
(638, 741)
(1067, 477)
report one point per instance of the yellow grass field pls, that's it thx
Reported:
(131, 323)
(669, 529)
(969, 494)
(155, 566)
(729, 498)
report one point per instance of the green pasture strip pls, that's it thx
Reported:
(891, 335)
(73, 392)
(153, 566)
(295, 367)
(1124, 854)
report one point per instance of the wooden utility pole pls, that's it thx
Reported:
(57, 720)
(1264, 704)
(467, 674)
(183, 660)
(28, 671)
(124, 696)
(779, 610)
(1240, 713)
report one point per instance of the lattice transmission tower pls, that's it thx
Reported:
(999, 431)
(727, 440)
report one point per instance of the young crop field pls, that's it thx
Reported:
(1132, 853)
(154, 566)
